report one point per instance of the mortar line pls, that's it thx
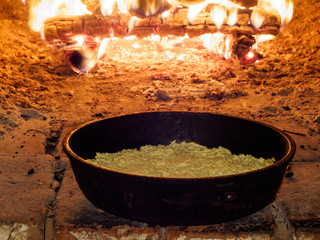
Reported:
(51, 206)
(163, 233)
(283, 225)
(12, 230)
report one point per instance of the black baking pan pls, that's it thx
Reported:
(178, 201)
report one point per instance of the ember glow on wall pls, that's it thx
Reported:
(84, 28)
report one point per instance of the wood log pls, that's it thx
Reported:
(59, 30)
(63, 29)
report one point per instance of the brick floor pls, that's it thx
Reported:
(36, 204)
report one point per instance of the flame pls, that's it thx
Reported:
(132, 22)
(261, 38)
(283, 7)
(165, 14)
(194, 10)
(107, 7)
(44, 9)
(169, 43)
(103, 46)
(233, 16)
(222, 5)
(218, 14)
(132, 37)
(79, 39)
(122, 6)
(145, 8)
(256, 19)
(218, 43)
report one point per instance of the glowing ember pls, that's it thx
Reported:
(250, 55)
(155, 37)
(136, 45)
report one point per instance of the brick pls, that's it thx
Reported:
(25, 186)
(300, 193)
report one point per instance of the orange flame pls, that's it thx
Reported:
(144, 8)
(233, 15)
(44, 9)
(261, 38)
(285, 10)
(257, 19)
(218, 14)
(107, 7)
(283, 7)
(165, 14)
(218, 43)
(194, 10)
(222, 5)
(103, 46)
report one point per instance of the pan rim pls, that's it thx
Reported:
(289, 155)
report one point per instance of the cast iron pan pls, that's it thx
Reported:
(176, 201)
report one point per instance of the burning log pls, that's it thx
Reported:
(63, 32)
(63, 29)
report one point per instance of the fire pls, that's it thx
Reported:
(107, 7)
(44, 9)
(223, 13)
(220, 9)
(257, 19)
(147, 8)
(218, 14)
(233, 14)
(165, 14)
(261, 38)
(283, 7)
(218, 43)
(103, 46)
(194, 10)
(142, 8)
